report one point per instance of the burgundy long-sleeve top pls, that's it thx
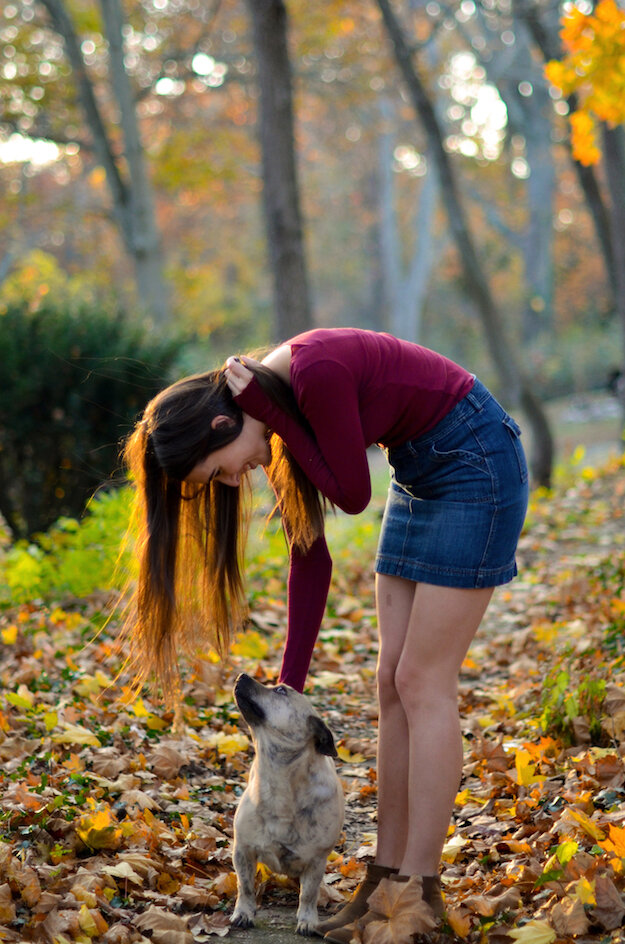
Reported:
(355, 388)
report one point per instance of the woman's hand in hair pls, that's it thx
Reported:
(237, 374)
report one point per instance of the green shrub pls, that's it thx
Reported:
(73, 381)
(73, 558)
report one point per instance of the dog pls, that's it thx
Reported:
(291, 813)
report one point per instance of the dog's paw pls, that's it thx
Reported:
(306, 928)
(241, 919)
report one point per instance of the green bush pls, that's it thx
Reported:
(73, 381)
(73, 558)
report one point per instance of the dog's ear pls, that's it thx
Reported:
(324, 742)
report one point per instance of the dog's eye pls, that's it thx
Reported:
(281, 690)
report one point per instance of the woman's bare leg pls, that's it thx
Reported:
(425, 632)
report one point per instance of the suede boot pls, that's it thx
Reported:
(432, 895)
(431, 891)
(357, 905)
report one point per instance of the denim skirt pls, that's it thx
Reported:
(457, 499)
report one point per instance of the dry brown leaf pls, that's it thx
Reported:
(165, 927)
(614, 699)
(28, 882)
(61, 922)
(7, 908)
(609, 910)
(139, 798)
(166, 761)
(489, 905)
(203, 924)
(568, 918)
(108, 762)
(196, 896)
(403, 907)
(117, 934)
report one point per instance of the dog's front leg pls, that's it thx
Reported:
(245, 907)
(310, 880)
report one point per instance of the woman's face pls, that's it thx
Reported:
(249, 450)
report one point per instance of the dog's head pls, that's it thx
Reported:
(280, 716)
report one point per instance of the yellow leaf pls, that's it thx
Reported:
(250, 645)
(86, 922)
(22, 698)
(615, 843)
(139, 709)
(9, 635)
(50, 720)
(534, 932)
(584, 891)
(348, 757)
(99, 830)
(452, 847)
(75, 734)
(584, 823)
(228, 744)
(566, 850)
(525, 770)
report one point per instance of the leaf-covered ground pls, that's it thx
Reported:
(115, 817)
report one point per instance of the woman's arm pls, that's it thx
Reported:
(309, 582)
(335, 460)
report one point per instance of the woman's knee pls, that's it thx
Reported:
(420, 687)
(385, 677)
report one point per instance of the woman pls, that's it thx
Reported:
(454, 513)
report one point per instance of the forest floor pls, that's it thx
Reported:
(115, 819)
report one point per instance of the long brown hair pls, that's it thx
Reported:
(189, 539)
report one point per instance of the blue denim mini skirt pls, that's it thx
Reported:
(457, 499)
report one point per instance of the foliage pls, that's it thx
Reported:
(593, 67)
(112, 824)
(74, 379)
(116, 816)
(73, 558)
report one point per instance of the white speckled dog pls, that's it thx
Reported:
(291, 813)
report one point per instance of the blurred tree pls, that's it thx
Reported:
(512, 376)
(591, 75)
(543, 23)
(126, 171)
(285, 237)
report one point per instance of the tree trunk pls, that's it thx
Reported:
(546, 37)
(280, 186)
(143, 233)
(132, 199)
(405, 287)
(614, 159)
(511, 376)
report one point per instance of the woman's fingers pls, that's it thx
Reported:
(237, 375)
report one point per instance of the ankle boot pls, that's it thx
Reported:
(357, 905)
(432, 895)
(431, 891)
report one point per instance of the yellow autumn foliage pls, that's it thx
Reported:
(593, 68)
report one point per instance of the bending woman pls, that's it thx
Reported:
(455, 509)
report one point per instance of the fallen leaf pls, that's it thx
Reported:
(75, 734)
(609, 910)
(165, 927)
(405, 912)
(568, 918)
(166, 761)
(7, 908)
(489, 905)
(534, 932)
